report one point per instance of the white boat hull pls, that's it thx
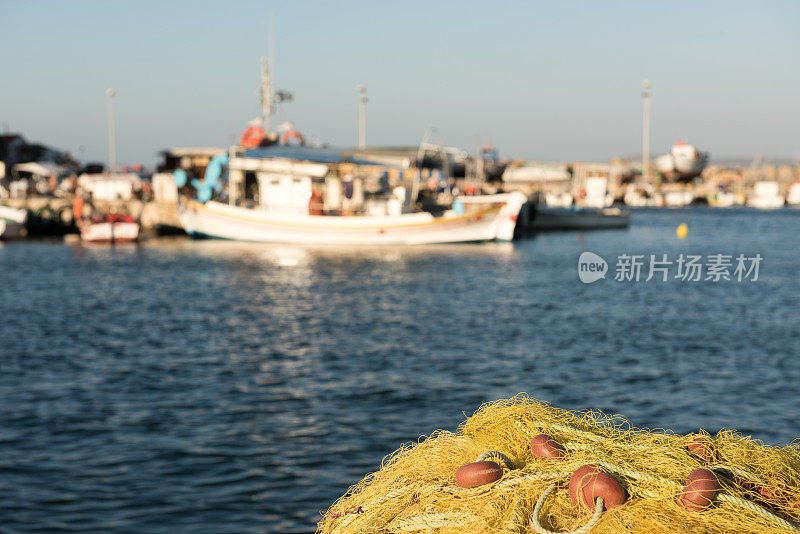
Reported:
(793, 195)
(678, 199)
(12, 223)
(766, 203)
(110, 232)
(485, 218)
(725, 199)
(765, 196)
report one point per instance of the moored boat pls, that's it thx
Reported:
(12, 223)
(110, 229)
(765, 196)
(274, 189)
(470, 219)
(546, 218)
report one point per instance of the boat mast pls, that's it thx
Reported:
(267, 90)
(267, 99)
(646, 85)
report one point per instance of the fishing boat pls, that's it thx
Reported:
(12, 222)
(110, 229)
(286, 194)
(272, 188)
(546, 218)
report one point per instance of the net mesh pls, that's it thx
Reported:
(415, 488)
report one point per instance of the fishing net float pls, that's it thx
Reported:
(520, 465)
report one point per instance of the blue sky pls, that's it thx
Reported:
(543, 80)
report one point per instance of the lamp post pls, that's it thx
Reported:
(112, 146)
(646, 130)
(362, 117)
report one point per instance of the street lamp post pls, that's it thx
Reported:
(362, 117)
(646, 130)
(112, 146)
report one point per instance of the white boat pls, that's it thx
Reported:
(12, 222)
(594, 193)
(678, 199)
(641, 195)
(793, 196)
(683, 161)
(724, 199)
(765, 196)
(111, 229)
(277, 190)
(535, 172)
(558, 200)
(478, 218)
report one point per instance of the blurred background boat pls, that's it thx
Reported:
(684, 162)
(112, 228)
(12, 222)
(546, 218)
(765, 196)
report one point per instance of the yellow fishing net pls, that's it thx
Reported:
(415, 489)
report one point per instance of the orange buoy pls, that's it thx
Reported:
(589, 482)
(699, 490)
(292, 134)
(701, 447)
(544, 446)
(252, 137)
(478, 474)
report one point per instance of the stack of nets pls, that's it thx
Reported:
(415, 489)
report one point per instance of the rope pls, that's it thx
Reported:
(428, 521)
(567, 429)
(758, 510)
(496, 454)
(511, 482)
(591, 436)
(537, 526)
(738, 471)
(513, 523)
(638, 475)
(352, 516)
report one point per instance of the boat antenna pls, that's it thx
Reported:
(269, 96)
(266, 94)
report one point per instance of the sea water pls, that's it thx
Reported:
(207, 386)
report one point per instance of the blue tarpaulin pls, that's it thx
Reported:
(312, 154)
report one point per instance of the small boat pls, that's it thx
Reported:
(544, 218)
(642, 195)
(12, 223)
(725, 199)
(678, 199)
(110, 229)
(593, 193)
(765, 196)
